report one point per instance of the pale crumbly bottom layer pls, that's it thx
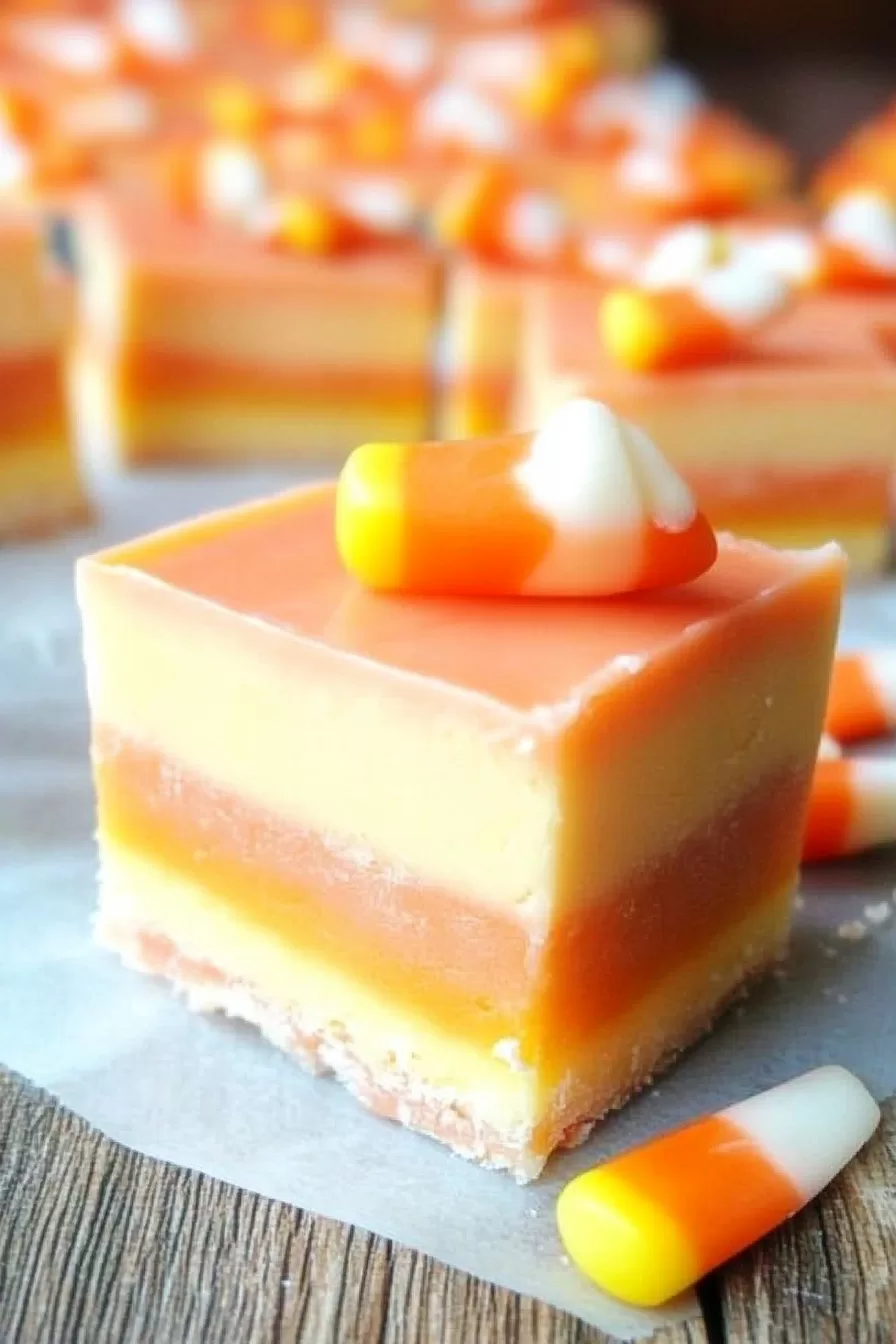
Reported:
(39, 490)
(670, 1019)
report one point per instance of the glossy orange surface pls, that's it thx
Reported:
(278, 562)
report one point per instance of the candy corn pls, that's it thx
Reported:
(862, 697)
(852, 807)
(647, 330)
(648, 1224)
(829, 748)
(488, 211)
(586, 506)
(569, 59)
(314, 224)
(858, 238)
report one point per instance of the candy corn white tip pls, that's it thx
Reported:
(535, 225)
(588, 469)
(791, 254)
(829, 748)
(864, 221)
(810, 1126)
(740, 292)
(680, 256)
(649, 1223)
(862, 697)
(852, 807)
(593, 474)
(232, 182)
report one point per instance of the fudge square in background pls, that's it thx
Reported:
(40, 490)
(791, 441)
(490, 863)
(198, 342)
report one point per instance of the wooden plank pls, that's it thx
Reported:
(98, 1243)
(828, 1276)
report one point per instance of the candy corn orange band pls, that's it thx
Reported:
(842, 267)
(465, 966)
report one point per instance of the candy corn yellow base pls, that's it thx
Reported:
(615, 1230)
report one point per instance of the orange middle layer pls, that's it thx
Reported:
(477, 973)
(32, 396)
(149, 373)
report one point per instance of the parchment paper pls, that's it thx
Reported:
(210, 1094)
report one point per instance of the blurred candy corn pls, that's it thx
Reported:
(488, 210)
(862, 697)
(656, 329)
(852, 807)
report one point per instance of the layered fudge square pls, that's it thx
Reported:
(198, 342)
(793, 442)
(40, 488)
(491, 863)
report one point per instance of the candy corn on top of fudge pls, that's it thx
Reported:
(585, 506)
(542, 689)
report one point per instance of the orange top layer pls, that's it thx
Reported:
(276, 561)
(203, 253)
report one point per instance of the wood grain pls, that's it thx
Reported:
(829, 1276)
(100, 1245)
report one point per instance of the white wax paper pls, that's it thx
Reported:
(208, 1093)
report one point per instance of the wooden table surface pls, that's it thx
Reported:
(100, 1245)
